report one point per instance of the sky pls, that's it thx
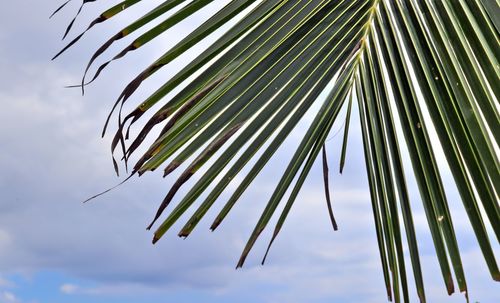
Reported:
(55, 249)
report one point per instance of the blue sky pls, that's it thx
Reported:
(54, 249)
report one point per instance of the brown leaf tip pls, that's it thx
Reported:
(183, 234)
(155, 239)
(216, 223)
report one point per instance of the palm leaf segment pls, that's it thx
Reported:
(412, 65)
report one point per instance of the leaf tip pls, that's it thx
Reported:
(170, 168)
(155, 239)
(215, 224)
(449, 285)
(183, 234)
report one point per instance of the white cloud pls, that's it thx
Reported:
(69, 289)
(9, 297)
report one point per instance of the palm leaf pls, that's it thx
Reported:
(414, 67)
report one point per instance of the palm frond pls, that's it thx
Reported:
(414, 67)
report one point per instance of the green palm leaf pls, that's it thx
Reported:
(413, 67)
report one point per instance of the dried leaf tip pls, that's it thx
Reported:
(155, 239)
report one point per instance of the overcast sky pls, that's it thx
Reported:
(54, 249)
